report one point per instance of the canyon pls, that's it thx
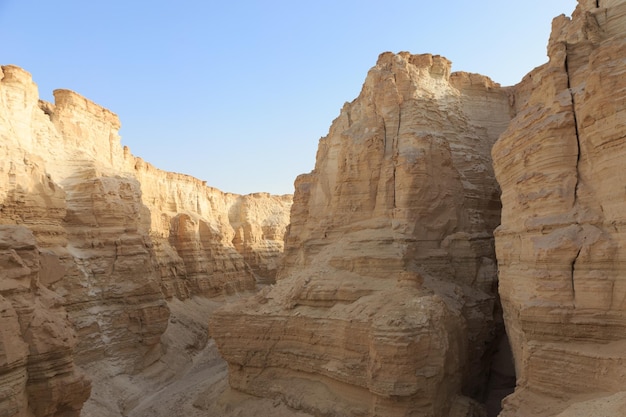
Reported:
(456, 240)
(97, 242)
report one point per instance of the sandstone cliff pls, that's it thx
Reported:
(560, 246)
(37, 372)
(95, 242)
(385, 302)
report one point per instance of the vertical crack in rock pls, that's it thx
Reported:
(384, 136)
(578, 150)
(117, 250)
(396, 151)
(393, 184)
(573, 270)
(559, 351)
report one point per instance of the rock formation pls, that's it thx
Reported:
(37, 371)
(385, 302)
(560, 247)
(260, 231)
(94, 243)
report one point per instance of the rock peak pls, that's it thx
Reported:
(72, 101)
(402, 184)
(436, 66)
(13, 73)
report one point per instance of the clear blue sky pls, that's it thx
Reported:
(238, 93)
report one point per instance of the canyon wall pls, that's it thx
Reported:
(95, 241)
(380, 235)
(560, 248)
(385, 303)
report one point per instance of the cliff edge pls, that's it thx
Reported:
(96, 241)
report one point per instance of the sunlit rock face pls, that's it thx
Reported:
(560, 247)
(385, 301)
(260, 221)
(104, 240)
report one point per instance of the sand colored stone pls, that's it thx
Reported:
(385, 301)
(37, 372)
(560, 246)
(111, 240)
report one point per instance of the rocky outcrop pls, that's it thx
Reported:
(111, 239)
(384, 304)
(260, 232)
(37, 372)
(560, 246)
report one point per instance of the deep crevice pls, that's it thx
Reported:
(399, 123)
(501, 380)
(395, 154)
(384, 137)
(569, 87)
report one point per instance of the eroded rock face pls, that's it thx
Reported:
(260, 231)
(560, 246)
(37, 372)
(111, 237)
(385, 301)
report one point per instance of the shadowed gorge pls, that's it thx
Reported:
(456, 240)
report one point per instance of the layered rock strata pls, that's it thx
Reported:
(260, 232)
(384, 305)
(560, 246)
(112, 238)
(37, 372)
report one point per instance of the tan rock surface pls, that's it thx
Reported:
(560, 246)
(114, 238)
(189, 380)
(37, 372)
(385, 301)
(260, 222)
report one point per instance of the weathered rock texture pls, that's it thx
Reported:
(561, 165)
(37, 372)
(385, 302)
(260, 232)
(95, 240)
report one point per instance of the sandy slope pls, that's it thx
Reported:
(189, 380)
